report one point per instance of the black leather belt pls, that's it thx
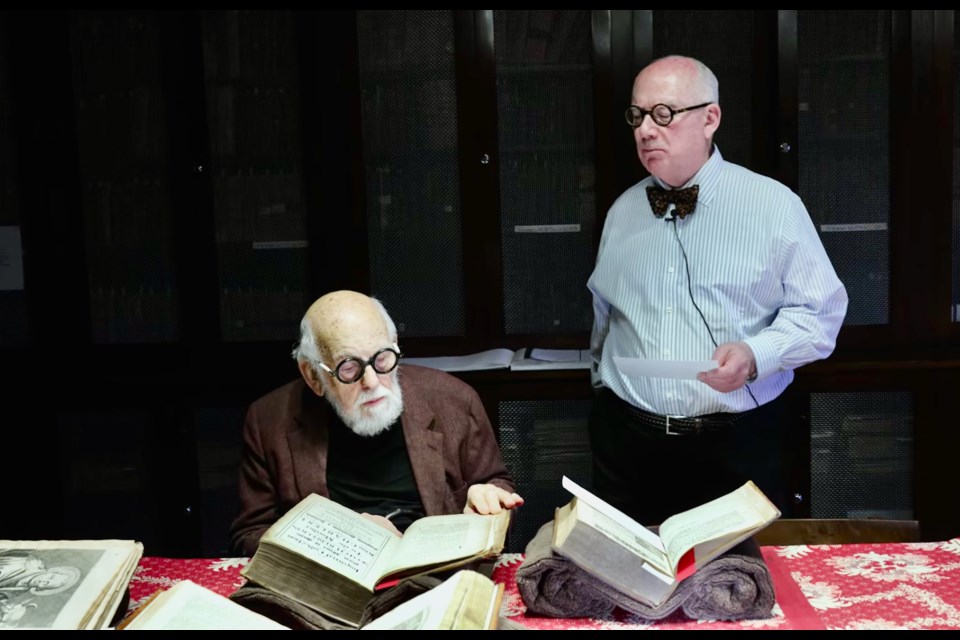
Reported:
(679, 426)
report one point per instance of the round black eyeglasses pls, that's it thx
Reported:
(660, 113)
(351, 369)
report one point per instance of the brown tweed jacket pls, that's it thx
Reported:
(449, 439)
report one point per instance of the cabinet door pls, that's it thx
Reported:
(547, 160)
(253, 109)
(725, 41)
(843, 64)
(122, 133)
(13, 320)
(408, 102)
(956, 168)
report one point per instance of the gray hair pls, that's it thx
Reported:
(307, 349)
(705, 83)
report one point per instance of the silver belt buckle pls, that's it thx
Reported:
(671, 433)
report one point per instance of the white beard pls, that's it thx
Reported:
(372, 421)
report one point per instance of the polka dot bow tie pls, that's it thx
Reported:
(684, 200)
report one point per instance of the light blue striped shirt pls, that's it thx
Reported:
(758, 271)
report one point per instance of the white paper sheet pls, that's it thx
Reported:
(681, 369)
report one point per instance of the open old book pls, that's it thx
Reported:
(188, 606)
(647, 566)
(64, 584)
(330, 558)
(465, 601)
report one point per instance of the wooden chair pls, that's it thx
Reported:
(788, 531)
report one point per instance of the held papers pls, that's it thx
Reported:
(682, 369)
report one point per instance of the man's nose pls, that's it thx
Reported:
(370, 379)
(648, 128)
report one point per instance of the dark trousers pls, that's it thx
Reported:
(651, 475)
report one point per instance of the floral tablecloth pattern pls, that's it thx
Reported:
(854, 586)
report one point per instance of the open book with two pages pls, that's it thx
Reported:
(520, 360)
(64, 584)
(332, 559)
(648, 566)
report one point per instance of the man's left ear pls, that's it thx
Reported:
(712, 121)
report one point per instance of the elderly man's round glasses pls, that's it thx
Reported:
(660, 113)
(350, 370)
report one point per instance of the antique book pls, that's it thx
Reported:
(466, 600)
(648, 566)
(64, 584)
(331, 559)
(187, 605)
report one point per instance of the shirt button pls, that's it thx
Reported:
(669, 309)
(669, 396)
(666, 352)
(670, 270)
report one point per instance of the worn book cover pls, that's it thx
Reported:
(330, 558)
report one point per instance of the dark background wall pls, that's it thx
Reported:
(176, 187)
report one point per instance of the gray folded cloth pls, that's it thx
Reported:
(735, 586)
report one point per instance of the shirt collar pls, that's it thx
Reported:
(707, 177)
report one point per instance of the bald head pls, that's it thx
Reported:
(342, 320)
(686, 78)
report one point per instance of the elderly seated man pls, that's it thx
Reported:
(392, 442)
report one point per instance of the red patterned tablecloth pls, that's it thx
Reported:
(857, 586)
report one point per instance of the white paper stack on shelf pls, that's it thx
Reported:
(519, 360)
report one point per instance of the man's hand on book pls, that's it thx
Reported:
(489, 498)
(383, 522)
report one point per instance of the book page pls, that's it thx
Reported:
(426, 611)
(62, 584)
(625, 521)
(187, 605)
(442, 539)
(640, 546)
(719, 521)
(335, 537)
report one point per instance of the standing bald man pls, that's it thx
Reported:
(392, 442)
(702, 260)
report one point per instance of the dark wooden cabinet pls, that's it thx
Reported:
(182, 184)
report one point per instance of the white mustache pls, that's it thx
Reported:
(367, 396)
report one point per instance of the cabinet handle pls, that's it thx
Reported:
(785, 147)
(485, 158)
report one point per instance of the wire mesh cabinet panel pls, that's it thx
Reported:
(408, 101)
(127, 208)
(13, 320)
(844, 60)
(723, 40)
(253, 107)
(862, 455)
(541, 441)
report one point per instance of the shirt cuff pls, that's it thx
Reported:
(765, 355)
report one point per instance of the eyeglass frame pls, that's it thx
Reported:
(649, 112)
(371, 362)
